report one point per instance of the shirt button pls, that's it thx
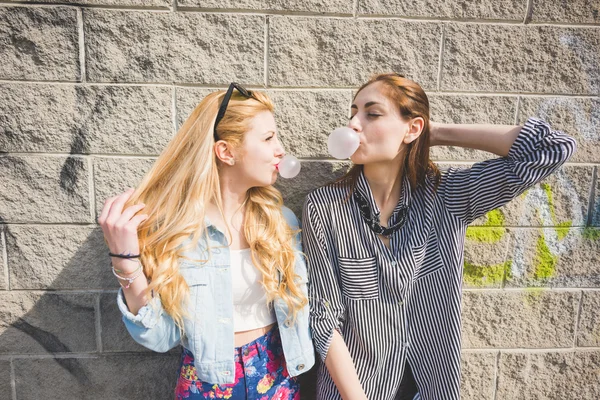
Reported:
(394, 263)
(246, 352)
(400, 302)
(300, 367)
(287, 324)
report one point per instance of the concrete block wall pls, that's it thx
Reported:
(92, 90)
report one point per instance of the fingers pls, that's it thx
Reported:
(128, 213)
(116, 208)
(106, 209)
(136, 221)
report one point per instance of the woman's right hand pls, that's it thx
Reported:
(120, 229)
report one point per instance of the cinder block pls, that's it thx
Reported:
(549, 376)
(132, 46)
(44, 189)
(506, 58)
(536, 318)
(39, 43)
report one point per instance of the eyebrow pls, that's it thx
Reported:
(367, 105)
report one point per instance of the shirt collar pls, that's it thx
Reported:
(363, 186)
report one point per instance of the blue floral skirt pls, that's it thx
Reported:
(260, 373)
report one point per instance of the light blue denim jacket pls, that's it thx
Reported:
(209, 331)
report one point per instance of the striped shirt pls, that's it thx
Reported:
(402, 303)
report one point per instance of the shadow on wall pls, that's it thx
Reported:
(60, 325)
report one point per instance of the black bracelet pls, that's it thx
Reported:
(128, 256)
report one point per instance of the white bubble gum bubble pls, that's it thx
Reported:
(342, 143)
(289, 167)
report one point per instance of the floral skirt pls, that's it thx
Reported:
(260, 373)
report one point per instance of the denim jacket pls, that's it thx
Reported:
(208, 327)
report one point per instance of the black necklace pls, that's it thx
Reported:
(373, 220)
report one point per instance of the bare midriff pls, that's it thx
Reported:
(242, 338)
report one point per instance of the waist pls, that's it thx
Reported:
(245, 337)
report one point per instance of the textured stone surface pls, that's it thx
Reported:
(549, 376)
(131, 46)
(504, 9)
(313, 175)
(504, 58)
(137, 3)
(3, 266)
(113, 176)
(39, 43)
(58, 257)
(452, 109)
(577, 117)
(115, 336)
(588, 332)
(306, 118)
(44, 189)
(596, 202)
(557, 257)
(531, 319)
(312, 6)
(36, 323)
(5, 377)
(561, 198)
(337, 52)
(572, 11)
(122, 377)
(85, 119)
(477, 379)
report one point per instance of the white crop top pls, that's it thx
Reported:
(250, 309)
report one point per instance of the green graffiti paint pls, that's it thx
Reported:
(491, 231)
(562, 229)
(545, 261)
(486, 275)
(591, 233)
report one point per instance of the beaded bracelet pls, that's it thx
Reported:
(130, 280)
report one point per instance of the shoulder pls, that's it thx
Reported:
(290, 217)
(328, 194)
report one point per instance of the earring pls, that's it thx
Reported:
(232, 162)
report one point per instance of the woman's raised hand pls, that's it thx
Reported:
(120, 228)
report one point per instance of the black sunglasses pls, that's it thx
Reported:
(223, 107)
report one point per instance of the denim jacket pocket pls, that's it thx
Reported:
(359, 278)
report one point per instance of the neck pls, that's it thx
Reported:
(233, 194)
(385, 181)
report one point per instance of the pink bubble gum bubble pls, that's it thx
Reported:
(342, 143)
(289, 167)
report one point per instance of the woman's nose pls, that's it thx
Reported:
(354, 124)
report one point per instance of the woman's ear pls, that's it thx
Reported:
(415, 128)
(224, 152)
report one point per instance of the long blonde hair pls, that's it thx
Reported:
(183, 181)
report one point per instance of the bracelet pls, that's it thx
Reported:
(130, 280)
(127, 256)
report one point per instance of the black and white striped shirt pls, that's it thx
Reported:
(402, 304)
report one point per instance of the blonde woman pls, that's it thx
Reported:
(208, 257)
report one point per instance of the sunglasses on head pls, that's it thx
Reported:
(223, 107)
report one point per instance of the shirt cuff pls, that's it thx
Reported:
(147, 316)
(531, 135)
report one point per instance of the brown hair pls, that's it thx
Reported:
(412, 103)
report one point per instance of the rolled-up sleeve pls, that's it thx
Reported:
(327, 312)
(537, 152)
(152, 327)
